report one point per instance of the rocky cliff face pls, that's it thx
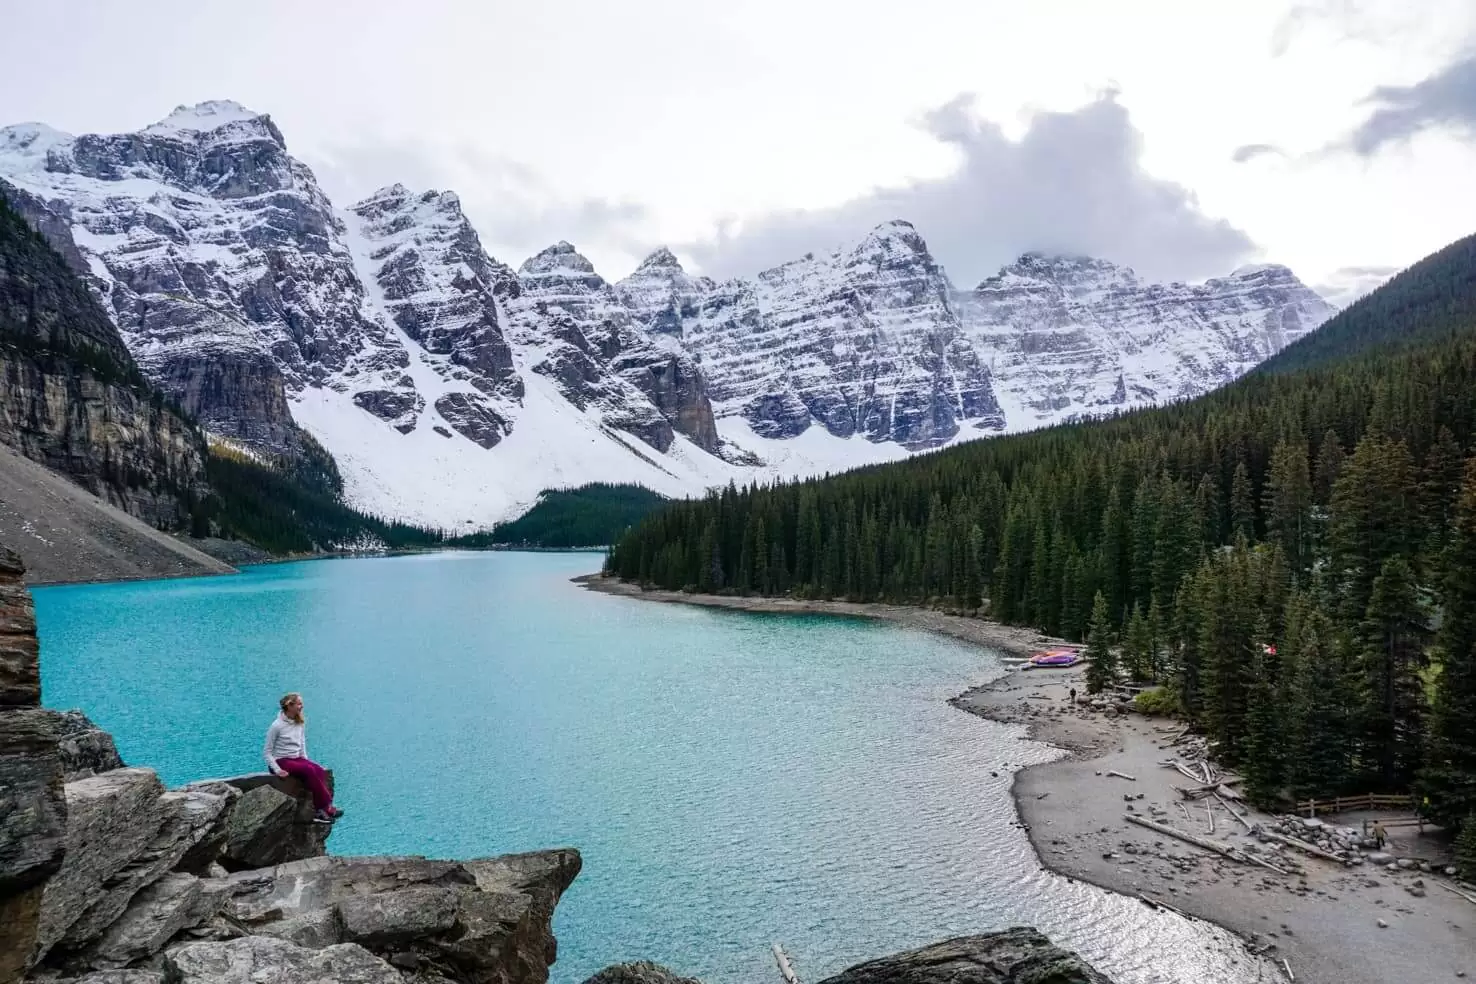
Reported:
(71, 397)
(1074, 336)
(33, 806)
(865, 342)
(453, 390)
(217, 256)
(599, 355)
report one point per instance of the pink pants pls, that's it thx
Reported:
(312, 776)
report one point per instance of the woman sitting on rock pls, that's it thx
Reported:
(286, 755)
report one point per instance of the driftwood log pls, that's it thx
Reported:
(1243, 820)
(1304, 847)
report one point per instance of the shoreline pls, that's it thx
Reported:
(1333, 924)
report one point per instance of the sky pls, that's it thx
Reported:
(1181, 138)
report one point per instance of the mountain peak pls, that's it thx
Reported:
(1270, 271)
(1067, 269)
(897, 232)
(560, 259)
(24, 146)
(661, 258)
(203, 117)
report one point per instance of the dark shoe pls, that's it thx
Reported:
(334, 812)
(322, 816)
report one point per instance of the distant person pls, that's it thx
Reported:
(286, 755)
(1073, 695)
(1380, 834)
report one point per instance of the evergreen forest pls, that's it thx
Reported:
(1292, 557)
(593, 515)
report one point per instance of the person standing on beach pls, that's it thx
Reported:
(286, 755)
(1380, 834)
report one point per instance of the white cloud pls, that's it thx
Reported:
(1073, 182)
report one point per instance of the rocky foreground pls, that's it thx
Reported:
(108, 877)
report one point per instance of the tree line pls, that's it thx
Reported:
(1293, 557)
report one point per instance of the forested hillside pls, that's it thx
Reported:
(592, 515)
(1276, 553)
(1434, 298)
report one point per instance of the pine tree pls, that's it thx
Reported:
(1329, 465)
(1374, 517)
(1101, 670)
(1465, 848)
(1288, 505)
(1319, 739)
(1448, 783)
(1207, 511)
(1156, 641)
(1440, 489)
(1136, 646)
(1242, 504)
(1227, 621)
(1265, 743)
(1144, 531)
(1391, 656)
(1189, 617)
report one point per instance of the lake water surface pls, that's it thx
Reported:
(731, 779)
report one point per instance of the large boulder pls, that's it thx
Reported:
(124, 832)
(85, 748)
(271, 823)
(486, 921)
(260, 960)
(33, 806)
(639, 972)
(1020, 955)
(176, 902)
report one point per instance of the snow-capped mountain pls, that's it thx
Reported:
(453, 390)
(1072, 336)
(865, 341)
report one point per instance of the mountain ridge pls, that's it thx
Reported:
(454, 389)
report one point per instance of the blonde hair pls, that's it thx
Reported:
(287, 699)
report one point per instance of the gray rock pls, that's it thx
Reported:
(1380, 858)
(398, 917)
(1405, 864)
(472, 417)
(132, 976)
(20, 663)
(211, 839)
(33, 810)
(262, 960)
(488, 920)
(176, 902)
(271, 823)
(33, 806)
(188, 816)
(111, 819)
(401, 408)
(640, 972)
(1019, 955)
(85, 748)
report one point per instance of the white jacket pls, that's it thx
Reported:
(285, 739)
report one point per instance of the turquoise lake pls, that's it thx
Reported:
(732, 780)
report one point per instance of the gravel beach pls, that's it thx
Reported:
(1333, 924)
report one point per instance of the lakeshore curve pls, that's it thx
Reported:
(1326, 922)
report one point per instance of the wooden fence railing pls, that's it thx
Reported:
(1366, 801)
